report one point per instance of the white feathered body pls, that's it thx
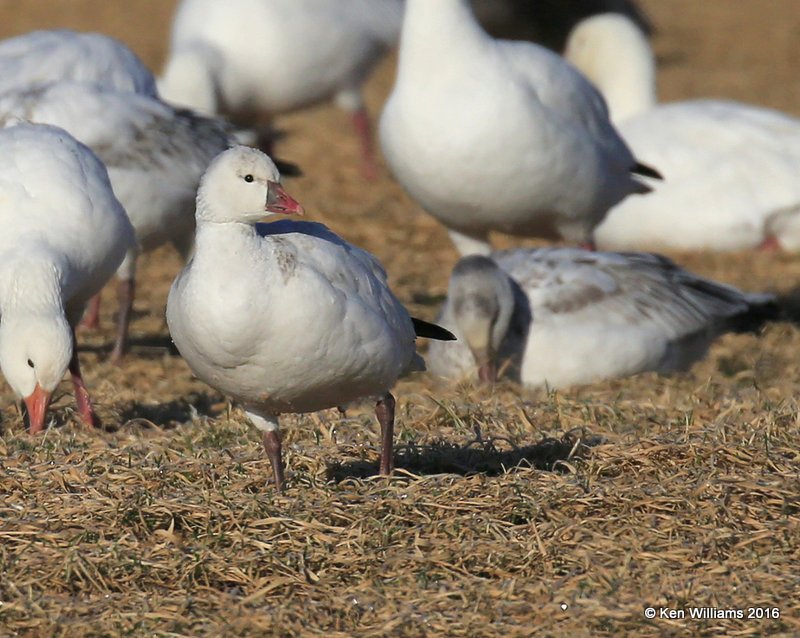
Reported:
(288, 317)
(280, 55)
(155, 154)
(730, 179)
(57, 211)
(581, 317)
(495, 135)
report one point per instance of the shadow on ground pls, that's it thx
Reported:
(170, 414)
(476, 457)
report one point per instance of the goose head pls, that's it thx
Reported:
(613, 52)
(481, 301)
(34, 355)
(243, 185)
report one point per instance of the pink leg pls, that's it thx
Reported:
(363, 129)
(770, 244)
(384, 410)
(81, 393)
(125, 294)
(272, 446)
(91, 318)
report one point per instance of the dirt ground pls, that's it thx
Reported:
(646, 492)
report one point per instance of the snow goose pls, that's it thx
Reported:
(48, 56)
(266, 57)
(62, 235)
(493, 135)
(284, 317)
(155, 157)
(730, 169)
(559, 317)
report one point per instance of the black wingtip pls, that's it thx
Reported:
(287, 169)
(646, 171)
(431, 330)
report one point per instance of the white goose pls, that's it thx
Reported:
(559, 317)
(730, 169)
(62, 235)
(155, 157)
(49, 56)
(284, 317)
(493, 135)
(268, 57)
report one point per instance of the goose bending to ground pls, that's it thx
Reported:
(730, 169)
(559, 317)
(285, 317)
(248, 58)
(41, 57)
(155, 156)
(63, 233)
(489, 135)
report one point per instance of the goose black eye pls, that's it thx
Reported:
(248, 178)
(30, 363)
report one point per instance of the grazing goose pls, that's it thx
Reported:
(284, 317)
(730, 169)
(563, 316)
(155, 157)
(40, 57)
(246, 58)
(493, 135)
(62, 235)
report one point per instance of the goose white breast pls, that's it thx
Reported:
(63, 233)
(561, 317)
(274, 56)
(493, 135)
(284, 317)
(729, 168)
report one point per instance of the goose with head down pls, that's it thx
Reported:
(559, 317)
(63, 233)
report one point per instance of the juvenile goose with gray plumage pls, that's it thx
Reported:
(561, 317)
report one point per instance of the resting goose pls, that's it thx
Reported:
(559, 317)
(730, 169)
(490, 135)
(246, 58)
(286, 316)
(62, 235)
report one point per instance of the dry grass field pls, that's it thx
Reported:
(507, 505)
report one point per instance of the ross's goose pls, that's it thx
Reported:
(48, 56)
(730, 169)
(493, 135)
(62, 235)
(155, 156)
(266, 57)
(559, 317)
(284, 317)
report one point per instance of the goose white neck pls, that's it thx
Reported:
(616, 56)
(434, 31)
(31, 286)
